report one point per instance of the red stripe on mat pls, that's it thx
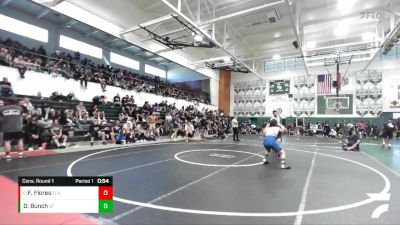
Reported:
(32, 153)
(10, 215)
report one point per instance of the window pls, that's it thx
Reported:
(24, 29)
(155, 71)
(273, 66)
(124, 61)
(81, 47)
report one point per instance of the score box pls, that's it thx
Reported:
(105, 199)
(65, 194)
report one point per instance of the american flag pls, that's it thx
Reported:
(324, 84)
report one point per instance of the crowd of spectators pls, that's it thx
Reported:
(338, 129)
(46, 126)
(150, 121)
(13, 53)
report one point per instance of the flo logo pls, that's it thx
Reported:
(375, 15)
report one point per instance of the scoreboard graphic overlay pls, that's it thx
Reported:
(65, 194)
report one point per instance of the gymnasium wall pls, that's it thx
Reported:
(390, 91)
(259, 121)
(35, 82)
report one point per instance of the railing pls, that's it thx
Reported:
(46, 66)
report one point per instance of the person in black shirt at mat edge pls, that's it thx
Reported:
(11, 116)
(388, 130)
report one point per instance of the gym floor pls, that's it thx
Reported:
(225, 182)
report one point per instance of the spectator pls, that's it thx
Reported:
(189, 130)
(82, 112)
(131, 100)
(5, 88)
(5, 82)
(71, 97)
(175, 127)
(96, 132)
(117, 101)
(146, 108)
(99, 100)
(327, 129)
(33, 134)
(116, 129)
(97, 114)
(125, 100)
(128, 130)
(152, 120)
(20, 63)
(56, 131)
(84, 77)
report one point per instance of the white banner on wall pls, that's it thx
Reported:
(391, 97)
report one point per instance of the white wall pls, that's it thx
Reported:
(390, 81)
(214, 84)
(46, 84)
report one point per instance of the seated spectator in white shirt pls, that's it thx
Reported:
(189, 129)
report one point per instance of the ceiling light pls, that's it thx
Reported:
(276, 57)
(345, 6)
(311, 44)
(341, 30)
(277, 34)
(198, 38)
(368, 36)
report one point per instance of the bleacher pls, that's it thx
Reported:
(77, 133)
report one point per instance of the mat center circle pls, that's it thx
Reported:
(229, 157)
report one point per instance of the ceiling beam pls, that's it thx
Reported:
(5, 3)
(189, 10)
(244, 41)
(167, 3)
(265, 57)
(130, 46)
(198, 19)
(43, 13)
(112, 41)
(93, 31)
(246, 11)
(167, 33)
(289, 7)
(69, 23)
(148, 23)
(208, 9)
